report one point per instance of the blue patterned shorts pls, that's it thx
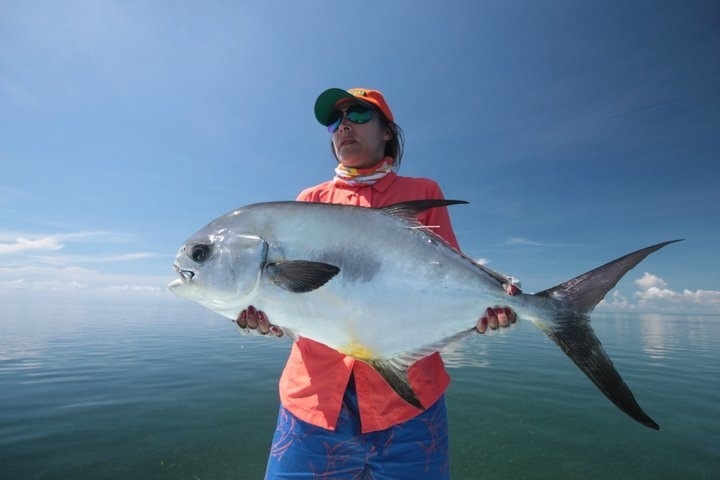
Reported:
(416, 449)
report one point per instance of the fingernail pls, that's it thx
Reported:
(482, 327)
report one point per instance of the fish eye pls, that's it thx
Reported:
(200, 252)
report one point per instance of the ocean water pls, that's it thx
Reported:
(167, 390)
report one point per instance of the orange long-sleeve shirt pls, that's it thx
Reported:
(313, 382)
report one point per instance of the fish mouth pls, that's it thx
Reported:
(185, 274)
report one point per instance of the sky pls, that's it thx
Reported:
(578, 132)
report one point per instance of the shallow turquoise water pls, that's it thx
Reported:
(167, 390)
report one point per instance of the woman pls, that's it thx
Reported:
(339, 418)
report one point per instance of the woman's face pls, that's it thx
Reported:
(360, 145)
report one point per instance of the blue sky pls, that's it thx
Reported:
(579, 131)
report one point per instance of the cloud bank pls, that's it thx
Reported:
(654, 295)
(92, 263)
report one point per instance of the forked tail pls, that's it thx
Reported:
(570, 328)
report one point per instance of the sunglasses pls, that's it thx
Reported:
(355, 113)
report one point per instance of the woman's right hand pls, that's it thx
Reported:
(254, 319)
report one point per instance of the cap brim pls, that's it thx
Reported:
(325, 103)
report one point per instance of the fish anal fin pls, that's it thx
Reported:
(395, 369)
(396, 375)
(301, 276)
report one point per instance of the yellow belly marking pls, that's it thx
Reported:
(357, 350)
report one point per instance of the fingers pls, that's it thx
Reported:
(262, 322)
(496, 317)
(506, 316)
(277, 331)
(254, 319)
(482, 325)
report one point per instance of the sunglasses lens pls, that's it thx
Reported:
(334, 125)
(363, 116)
(356, 114)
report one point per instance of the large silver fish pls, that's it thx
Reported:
(378, 286)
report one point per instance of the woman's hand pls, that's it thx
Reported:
(254, 319)
(496, 317)
(500, 316)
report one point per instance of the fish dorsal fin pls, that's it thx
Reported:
(301, 276)
(408, 211)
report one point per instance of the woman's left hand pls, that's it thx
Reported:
(500, 316)
(496, 317)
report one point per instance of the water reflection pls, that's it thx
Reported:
(466, 353)
(193, 391)
(499, 347)
(662, 336)
(656, 336)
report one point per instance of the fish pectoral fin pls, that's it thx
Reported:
(395, 374)
(301, 276)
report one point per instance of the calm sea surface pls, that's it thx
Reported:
(167, 390)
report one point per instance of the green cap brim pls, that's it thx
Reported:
(325, 103)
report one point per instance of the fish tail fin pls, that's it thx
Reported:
(570, 329)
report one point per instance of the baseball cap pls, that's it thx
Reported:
(326, 102)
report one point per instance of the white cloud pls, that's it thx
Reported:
(24, 244)
(655, 296)
(66, 263)
(523, 241)
(74, 280)
(30, 249)
(16, 243)
(93, 259)
(534, 243)
(706, 298)
(649, 281)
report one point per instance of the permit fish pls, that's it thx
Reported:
(377, 285)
